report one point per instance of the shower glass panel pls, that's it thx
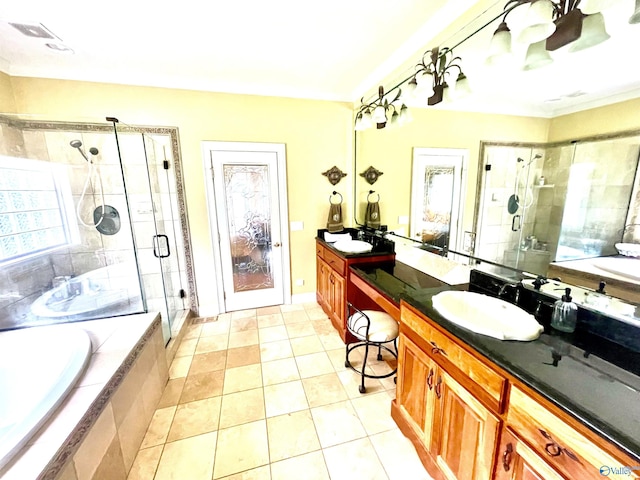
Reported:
(152, 200)
(67, 246)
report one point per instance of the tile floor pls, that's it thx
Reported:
(264, 394)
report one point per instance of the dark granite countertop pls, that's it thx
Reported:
(561, 367)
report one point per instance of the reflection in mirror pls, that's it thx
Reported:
(539, 204)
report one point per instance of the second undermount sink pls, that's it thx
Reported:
(627, 267)
(487, 315)
(353, 246)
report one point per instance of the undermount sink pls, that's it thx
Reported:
(487, 315)
(353, 246)
(628, 267)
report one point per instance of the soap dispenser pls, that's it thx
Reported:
(565, 313)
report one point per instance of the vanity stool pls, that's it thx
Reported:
(371, 329)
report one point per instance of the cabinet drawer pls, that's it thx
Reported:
(334, 261)
(319, 250)
(442, 346)
(564, 448)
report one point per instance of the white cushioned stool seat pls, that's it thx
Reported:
(383, 327)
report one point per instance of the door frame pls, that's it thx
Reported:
(281, 162)
(459, 159)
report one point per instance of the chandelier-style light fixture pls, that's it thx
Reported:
(547, 25)
(382, 112)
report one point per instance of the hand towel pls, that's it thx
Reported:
(372, 215)
(334, 222)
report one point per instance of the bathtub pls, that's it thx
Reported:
(114, 288)
(38, 367)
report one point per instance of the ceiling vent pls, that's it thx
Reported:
(34, 30)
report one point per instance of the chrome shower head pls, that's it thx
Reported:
(75, 143)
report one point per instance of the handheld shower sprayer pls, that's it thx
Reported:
(93, 151)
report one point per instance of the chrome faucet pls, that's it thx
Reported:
(504, 287)
(626, 227)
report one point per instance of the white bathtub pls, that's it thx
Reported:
(38, 367)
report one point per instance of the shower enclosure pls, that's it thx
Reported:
(538, 204)
(90, 223)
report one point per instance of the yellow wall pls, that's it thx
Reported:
(7, 102)
(317, 135)
(391, 150)
(608, 119)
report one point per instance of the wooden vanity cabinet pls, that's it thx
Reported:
(332, 285)
(470, 420)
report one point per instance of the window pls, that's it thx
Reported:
(36, 208)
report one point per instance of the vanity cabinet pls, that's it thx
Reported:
(469, 419)
(332, 284)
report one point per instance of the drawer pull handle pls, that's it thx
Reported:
(430, 379)
(436, 349)
(545, 434)
(506, 457)
(438, 388)
(553, 449)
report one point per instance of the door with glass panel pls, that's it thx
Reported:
(248, 192)
(436, 194)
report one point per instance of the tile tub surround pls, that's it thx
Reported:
(264, 394)
(101, 423)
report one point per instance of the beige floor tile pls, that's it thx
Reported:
(292, 307)
(337, 358)
(260, 473)
(242, 407)
(171, 393)
(239, 357)
(212, 343)
(242, 378)
(291, 434)
(268, 310)
(324, 389)
(145, 464)
(270, 320)
(180, 367)
(398, 456)
(337, 423)
(306, 345)
(225, 317)
(190, 458)
(158, 427)
(273, 334)
(284, 398)
(314, 364)
(295, 316)
(242, 324)
(243, 339)
(275, 350)
(218, 327)
(331, 341)
(374, 412)
(208, 362)
(316, 313)
(241, 448)
(192, 331)
(195, 418)
(323, 327)
(312, 464)
(356, 459)
(301, 329)
(240, 314)
(351, 382)
(279, 371)
(202, 385)
(187, 347)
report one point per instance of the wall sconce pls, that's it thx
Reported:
(381, 112)
(552, 24)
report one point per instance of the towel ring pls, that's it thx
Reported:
(332, 195)
(371, 192)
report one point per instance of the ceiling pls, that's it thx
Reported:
(333, 50)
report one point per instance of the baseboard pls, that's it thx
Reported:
(307, 297)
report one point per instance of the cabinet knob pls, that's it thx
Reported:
(436, 349)
(553, 449)
(506, 457)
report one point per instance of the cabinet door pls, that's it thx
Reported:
(337, 298)
(415, 379)
(465, 432)
(322, 284)
(516, 461)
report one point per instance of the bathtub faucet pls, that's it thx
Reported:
(627, 227)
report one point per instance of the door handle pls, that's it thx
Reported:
(277, 244)
(156, 242)
(514, 227)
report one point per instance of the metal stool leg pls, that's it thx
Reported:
(362, 388)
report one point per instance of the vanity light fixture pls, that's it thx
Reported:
(381, 112)
(552, 23)
(433, 76)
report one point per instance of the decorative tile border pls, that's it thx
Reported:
(72, 442)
